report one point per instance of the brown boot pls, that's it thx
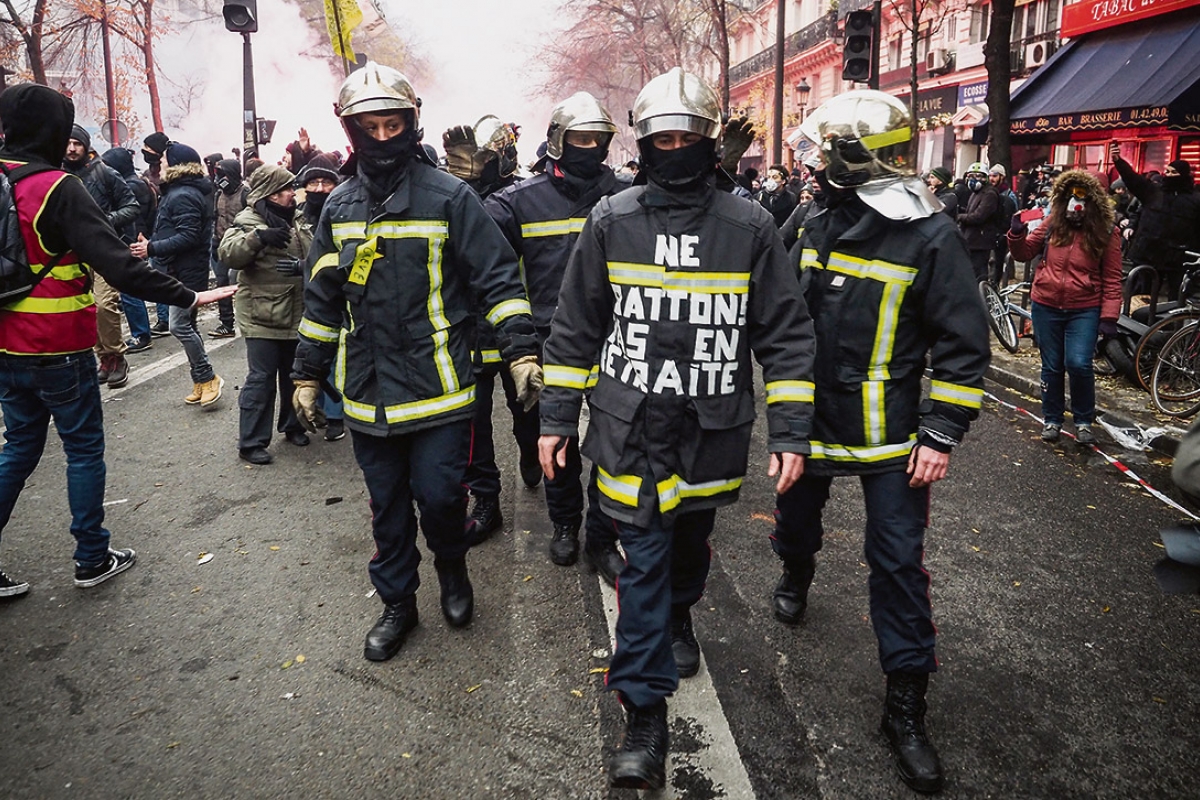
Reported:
(211, 392)
(194, 398)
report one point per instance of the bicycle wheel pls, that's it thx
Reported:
(1152, 341)
(998, 316)
(1175, 384)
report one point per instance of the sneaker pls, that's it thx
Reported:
(11, 588)
(1050, 432)
(210, 392)
(136, 345)
(1084, 435)
(222, 331)
(118, 372)
(103, 369)
(117, 562)
(160, 328)
(335, 429)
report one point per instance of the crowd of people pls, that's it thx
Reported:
(386, 294)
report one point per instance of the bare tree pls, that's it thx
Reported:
(920, 18)
(32, 33)
(999, 70)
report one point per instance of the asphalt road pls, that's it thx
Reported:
(1065, 672)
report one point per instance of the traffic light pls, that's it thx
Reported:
(241, 16)
(858, 52)
(264, 129)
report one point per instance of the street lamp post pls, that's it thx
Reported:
(777, 135)
(802, 92)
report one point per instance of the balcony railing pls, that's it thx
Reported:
(811, 35)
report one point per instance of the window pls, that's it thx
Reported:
(1031, 19)
(979, 23)
(951, 28)
(1051, 16)
(894, 53)
(1018, 23)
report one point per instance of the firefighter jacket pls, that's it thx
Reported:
(270, 297)
(674, 291)
(542, 218)
(884, 294)
(392, 283)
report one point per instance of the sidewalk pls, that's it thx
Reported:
(1117, 401)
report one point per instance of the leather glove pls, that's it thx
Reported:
(274, 237)
(464, 159)
(527, 377)
(1017, 226)
(305, 400)
(1108, 327)
(738, 136)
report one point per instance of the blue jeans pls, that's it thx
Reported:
(34, 389)
(1067, 339)
(183, 328)
(137, 316)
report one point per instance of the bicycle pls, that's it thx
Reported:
(1175, 383)
(1001, 311)
(1152, 340)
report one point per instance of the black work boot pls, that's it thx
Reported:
(458, 597)
(531, 469)
(485, 519)
(564, 547)
(904, 727)
(386, 636)
(603, 557)
(641, 763)
(791, 593)
(683, 642)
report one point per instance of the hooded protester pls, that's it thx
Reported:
(774, 195)
(46, 338)
(153, 148)
(121, 159)
(181, 245)
(977, 220)
(231, 199)
(1169, 220)
(261, 246)
(1076, 294)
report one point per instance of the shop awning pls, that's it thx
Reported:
(1136, 75)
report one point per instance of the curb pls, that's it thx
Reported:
(1165, 444)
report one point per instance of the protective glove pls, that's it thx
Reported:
(464, 159)
(1108, 327)
(305, 400)
(527, 377)
(1017, 226)
(274, 237)
(739, 134)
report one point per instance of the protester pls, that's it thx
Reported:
(977, 218)
(47, 368)
(1006, 207)
(775, 197)
(121, 159)
(1076, 294)
(231, 198)
(938, 180)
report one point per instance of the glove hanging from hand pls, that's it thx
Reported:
(527, 377)
(464, 159)
(306, 402)
(737, 138)
(274, 237)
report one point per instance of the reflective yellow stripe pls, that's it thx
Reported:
(885, 332)
(327, 260)
(406, 412)
(887, 138)
(675, 490)
(53, 305)
(630, 274)
(567, 377)
(435, 307)
(339, 363)
(593, 377)
(808, 258)
(874, 412)
(508, 308)
(445, 364)
(490, 356)
(552, 227)
(957, 394)
(68, 272)
(622, 488)
(838, 452)
(790, 391)
(871, 269)
(316, 331)
(344, 232)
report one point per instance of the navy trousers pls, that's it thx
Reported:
(897, 516)
(425, 468)
(483, 475)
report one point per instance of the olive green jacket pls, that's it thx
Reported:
(269, 303)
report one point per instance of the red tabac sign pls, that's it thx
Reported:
(1093, 15)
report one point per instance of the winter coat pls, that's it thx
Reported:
(884, 295)
(1068, 278)
(978, 221)
(228, 206)
(109, 190)
(1168, 221)
(183, 228)
(269, 303)
(394, 282)
(950, 200)
(780, 204)
(674, 291)
(121, 160)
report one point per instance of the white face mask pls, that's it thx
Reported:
(771, 185)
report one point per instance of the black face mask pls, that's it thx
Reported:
(153, 159)
(681, 169)
(1177, 183)
(833, 195)
(583, 162)
(313, 203)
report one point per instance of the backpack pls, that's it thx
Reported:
(17, 278)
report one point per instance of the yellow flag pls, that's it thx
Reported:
(341, 18)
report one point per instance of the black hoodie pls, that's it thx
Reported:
(121, 159)
(37, 123)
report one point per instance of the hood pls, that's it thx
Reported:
(266, 181)
(189, 173)
(1095, 193)
(121, 160)
(37, 123)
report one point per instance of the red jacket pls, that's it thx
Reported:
(1068, 278)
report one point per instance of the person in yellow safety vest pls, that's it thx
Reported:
(47, 368)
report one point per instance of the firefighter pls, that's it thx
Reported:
(889, 283)
(673, 284)
(399, 252)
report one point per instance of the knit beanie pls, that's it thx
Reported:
(266, 181)
(998, 169)
(81, 136)
(322, 165)
(943, 175)
(157, 142)
(181, 154)
(1181, 166)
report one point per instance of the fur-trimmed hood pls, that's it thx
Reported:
(1096, 195)
(187, 169)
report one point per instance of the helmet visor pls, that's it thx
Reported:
(677, 122)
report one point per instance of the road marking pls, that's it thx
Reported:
(142, 374)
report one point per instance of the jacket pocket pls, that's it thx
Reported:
(272, 306)
(615, 415)
(715, 440)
